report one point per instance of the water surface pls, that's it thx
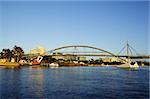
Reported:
(74, 82)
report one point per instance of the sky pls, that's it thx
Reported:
(51, 24)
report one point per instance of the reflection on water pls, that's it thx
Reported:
(74, 82)
(35, 81)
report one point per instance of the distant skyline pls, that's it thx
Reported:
(103, 24)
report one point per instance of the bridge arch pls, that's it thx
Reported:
(84, 46)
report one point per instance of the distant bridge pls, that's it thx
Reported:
(82, 50)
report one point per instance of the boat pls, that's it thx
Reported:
(37, 61)
(128, 65)
(23, 62)
(44, 65)
(53, 65)
(128, 62)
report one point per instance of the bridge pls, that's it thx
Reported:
(82, 50)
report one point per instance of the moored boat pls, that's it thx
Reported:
(53, 65)
(37, 61)
(129, 66)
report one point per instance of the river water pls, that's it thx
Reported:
(74, 83)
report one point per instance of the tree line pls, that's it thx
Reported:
(16, 53)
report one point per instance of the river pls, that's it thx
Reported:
(74, 83)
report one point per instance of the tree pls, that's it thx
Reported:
(18, 53)
(6, 54)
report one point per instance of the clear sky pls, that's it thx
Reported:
(103, 24)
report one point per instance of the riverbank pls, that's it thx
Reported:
(9, 65)
(17, 65)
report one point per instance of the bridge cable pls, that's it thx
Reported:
(121, 50)
(134, 50)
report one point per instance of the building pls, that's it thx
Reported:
(106, 59)
(70, 57)
(81, 58)
(113, 59)
(38, 50)
(59, 56)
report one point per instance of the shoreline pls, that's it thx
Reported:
(9, 65)
(41, 66)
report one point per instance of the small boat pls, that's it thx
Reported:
(50, 65)
(129, 66)
(53, 65)
(37, 61)
(23, 62)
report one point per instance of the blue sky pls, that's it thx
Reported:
(107, 25)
